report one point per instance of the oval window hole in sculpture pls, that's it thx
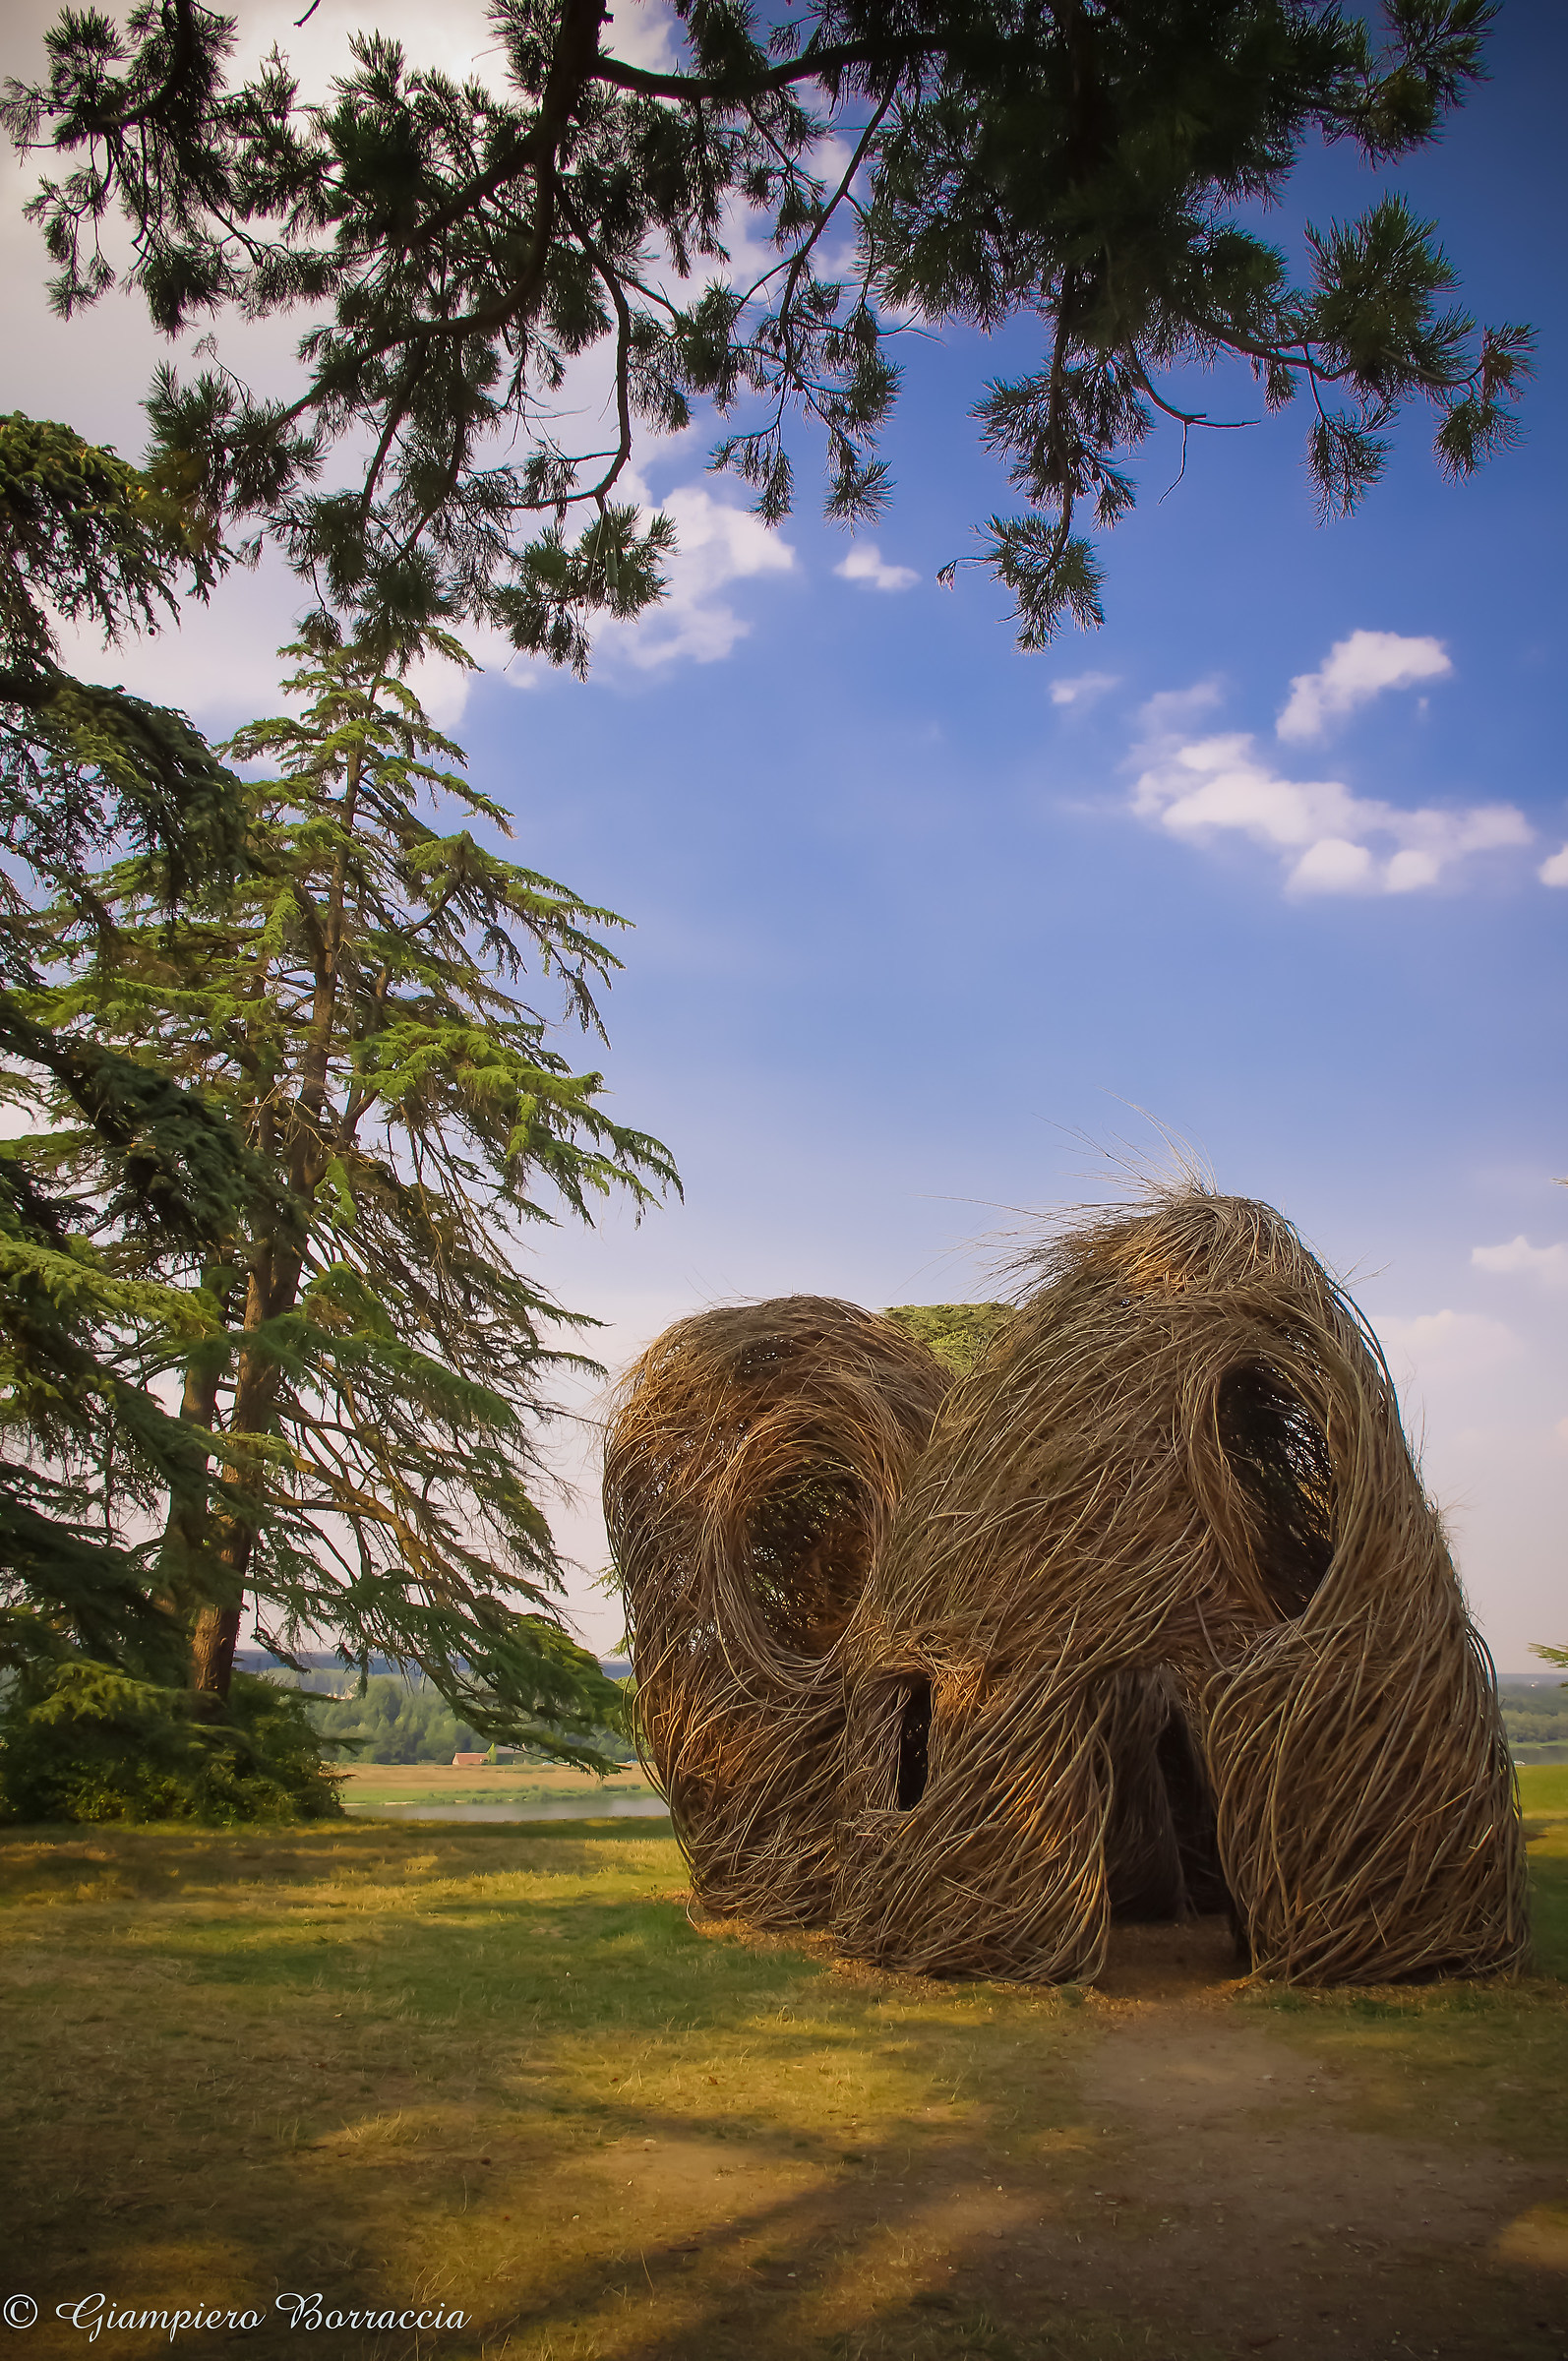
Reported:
(914, 1741)
(1280, 1455)
(807, 1556)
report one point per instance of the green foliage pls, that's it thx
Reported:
(86, 536)
(957, 1333)
(1096, 187)
(87, 1743)
(87, 1444)
(104, 1211)
(451, 249)
(362, 1357)
(94, 1304)
(90, 534)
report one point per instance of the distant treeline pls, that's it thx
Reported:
(397, 1723)
(1534, 1717)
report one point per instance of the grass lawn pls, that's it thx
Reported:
(499, 2070)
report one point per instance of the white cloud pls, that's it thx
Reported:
(717, 544)
(217, 664)
(1548, 1264)
(1555, 870)
(1444, 1345)
(1334, 841)
(1355, 670)
(459, 37)
(1084, 689)
(1411, 869)
(1333, 866)
(641, 33)
(866, 564)
(443, 689)
(1170, 711)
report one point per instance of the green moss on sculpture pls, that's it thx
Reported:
(957, 1333)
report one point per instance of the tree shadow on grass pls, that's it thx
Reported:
(872, 2259)
(386, 2063)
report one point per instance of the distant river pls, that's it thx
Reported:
(621, 1808)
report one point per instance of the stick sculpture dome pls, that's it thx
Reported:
(1146, 1615)
(753, 1464)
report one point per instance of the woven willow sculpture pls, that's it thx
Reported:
(753, 1463)
(1154, 1619)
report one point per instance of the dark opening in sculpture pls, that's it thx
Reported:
(914, 1742)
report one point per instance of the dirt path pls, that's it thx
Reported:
(1273, 2220)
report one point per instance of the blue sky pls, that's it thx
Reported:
(921, 923)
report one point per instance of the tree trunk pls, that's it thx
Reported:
(185, 1526)
(217, 1628)
(273, 1286)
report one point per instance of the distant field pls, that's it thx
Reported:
(374, 1785)
(505, 2070)
(1544, 1787)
